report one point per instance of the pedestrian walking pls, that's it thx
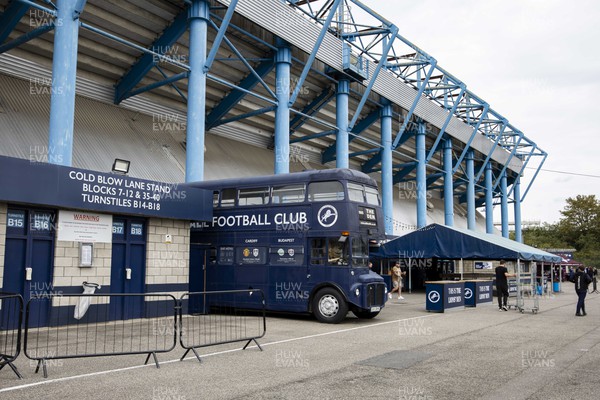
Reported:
(397, 281)
(582, 281)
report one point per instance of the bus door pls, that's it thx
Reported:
(199, 254)
(289, 287)
(329, 260)
(251, 257)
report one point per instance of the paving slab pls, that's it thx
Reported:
(404, 353)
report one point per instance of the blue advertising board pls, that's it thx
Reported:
(512, 288)
(470, 293)
(477, 292)
(23, 181)
(443, 295)
(484, 292)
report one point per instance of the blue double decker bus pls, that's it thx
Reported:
(302, 238)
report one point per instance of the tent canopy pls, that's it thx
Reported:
(439, 241)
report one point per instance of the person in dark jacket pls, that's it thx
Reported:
(582, 281)
(502, 276)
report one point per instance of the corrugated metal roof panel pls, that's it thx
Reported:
(102, 133)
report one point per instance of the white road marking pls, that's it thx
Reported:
(110, 371)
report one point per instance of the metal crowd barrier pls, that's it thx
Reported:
(220, 317)
(11, 319)
(94, 325)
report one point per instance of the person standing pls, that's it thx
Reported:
(395, 274)
(582, 281)
(396, 281)
(502, 276)
(401, 283)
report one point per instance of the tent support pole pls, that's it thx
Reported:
(551, 277)
(519, 286)
(560, 277)
(409, 276)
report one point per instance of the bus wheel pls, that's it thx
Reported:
(329, 306)
(364, 314)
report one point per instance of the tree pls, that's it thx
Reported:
(580, 227)
(581, 218)
(546, 236)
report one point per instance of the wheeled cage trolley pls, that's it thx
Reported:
(522, 291)
(527, 297)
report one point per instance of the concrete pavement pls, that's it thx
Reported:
(404, 353)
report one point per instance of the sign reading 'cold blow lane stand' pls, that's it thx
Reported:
(23, 181)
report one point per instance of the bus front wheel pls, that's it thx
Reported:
(329, 306)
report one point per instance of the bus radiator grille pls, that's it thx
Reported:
(375, 294)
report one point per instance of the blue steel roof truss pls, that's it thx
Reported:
(320, 101)
(220, 35)
(369, 36)
(162, 45)
(125, 87)
(447, 93)
(168, 80)
(247, 64)
(219, 111)
(445, 89)
(329, 153)
(11, 17)
(39, 31)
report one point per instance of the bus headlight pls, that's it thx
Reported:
(357, 291)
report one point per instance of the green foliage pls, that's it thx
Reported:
(589, 250)
(579, 228)
(544, 237)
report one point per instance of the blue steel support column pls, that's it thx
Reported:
(421, 177)
(64, 73)
(341, 113)
(504, 205)
(387, 181)
(448, 184)
(517, 196)
(196, 106)
(471, 191)
(489, 199)
(283, 62)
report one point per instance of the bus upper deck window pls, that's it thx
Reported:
(228, 197)
(372, 196)
(288, 194)
(325, 191)
(356, 192)
(254, 196)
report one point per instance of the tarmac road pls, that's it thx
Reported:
(404, 353)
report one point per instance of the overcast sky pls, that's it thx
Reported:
(535, 62)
